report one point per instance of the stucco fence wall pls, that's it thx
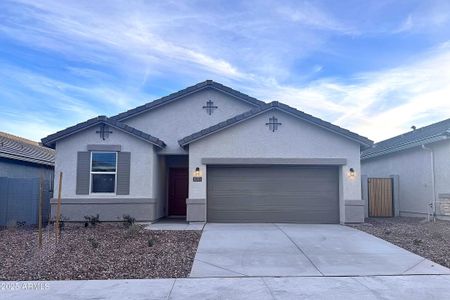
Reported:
(294, 139)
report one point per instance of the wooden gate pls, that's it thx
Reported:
(380, 197)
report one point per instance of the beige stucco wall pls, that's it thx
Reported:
(294, 139)
(183, 117)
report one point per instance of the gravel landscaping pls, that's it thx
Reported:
(105, 251)
(428, 239)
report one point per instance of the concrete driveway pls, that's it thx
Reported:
(236, 250)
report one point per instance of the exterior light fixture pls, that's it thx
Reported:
(351, 173)
(197, 175)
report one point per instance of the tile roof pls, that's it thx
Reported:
(14, 147)
(425, 135)
(51, 139)
(283, 107)
(189, 90)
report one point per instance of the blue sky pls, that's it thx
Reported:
(374, 67)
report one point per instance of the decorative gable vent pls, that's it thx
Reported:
(104, 131)
(273, 124)
(210, 107)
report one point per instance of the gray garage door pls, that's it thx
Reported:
(300, 194)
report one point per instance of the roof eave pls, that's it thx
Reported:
(275, 105)
(406, 146)
(186, 92)
(26, 159)
(51, 142)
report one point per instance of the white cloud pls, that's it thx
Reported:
(311, 15)
(252, 49)
(379, 104)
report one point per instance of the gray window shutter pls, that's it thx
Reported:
(123, 173)
(83, 173)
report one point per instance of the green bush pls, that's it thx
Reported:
(92, 220)
(128, 221)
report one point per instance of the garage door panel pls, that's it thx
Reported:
(273, 194)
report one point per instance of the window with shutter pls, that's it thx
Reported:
(103, 172)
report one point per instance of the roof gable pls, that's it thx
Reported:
(51, 139)
(278, 106)
(14, 147)
(425, 135)
(208, 84)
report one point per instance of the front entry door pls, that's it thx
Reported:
(178, 191)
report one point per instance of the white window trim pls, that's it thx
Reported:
(92, 173)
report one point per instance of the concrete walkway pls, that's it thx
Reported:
(237, 250)
(379, 287)
(175, 224)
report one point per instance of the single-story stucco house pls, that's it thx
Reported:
(420, 159)
(210, 153)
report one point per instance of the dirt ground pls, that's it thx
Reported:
(105, 251)
(428, 239)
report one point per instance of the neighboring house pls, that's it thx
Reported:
(22, 158)
(22, 165)
(210, 153)
(421, 161)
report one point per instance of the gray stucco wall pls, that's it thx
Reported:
(160, 185)
(18, 169)
(143, 167)
(183, 117)
(294, 139)
(442, 167)
(414, 170)
(142, 161)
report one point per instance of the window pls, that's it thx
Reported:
(103, 172)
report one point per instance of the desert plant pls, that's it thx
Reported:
(94, 242)
(151, 242)
(417, 242)
(20, 224)
(128, 221)
(132, 230)
(92, 220)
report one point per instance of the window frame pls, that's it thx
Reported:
(91, 173)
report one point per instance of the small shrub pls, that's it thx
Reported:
(92, 220)
(128, 221)
(151, 242)
(94, 243)
(132, 231)
(417, 242)
(21, 224)
(62, 222)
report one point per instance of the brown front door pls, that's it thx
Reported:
(178, 191)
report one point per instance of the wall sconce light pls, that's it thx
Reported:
(197, 175)
(351, 173)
